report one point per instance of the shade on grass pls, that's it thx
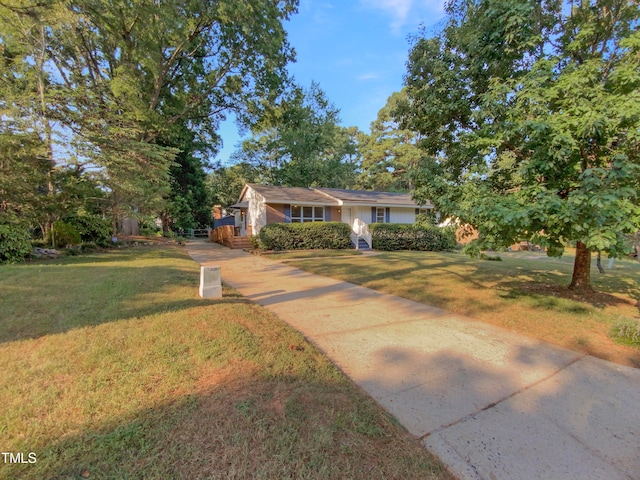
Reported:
(526, 292)
(112, 367)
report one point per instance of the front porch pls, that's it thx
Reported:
(229, 236)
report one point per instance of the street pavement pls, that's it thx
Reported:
(491, 404)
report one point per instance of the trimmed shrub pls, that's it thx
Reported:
(15, 243)
(256, 244)
(65, 234)
(396, 236)
(303, 236)
(92, 228)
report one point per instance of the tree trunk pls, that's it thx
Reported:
(599, 263)
(46, 128)
(581, 269)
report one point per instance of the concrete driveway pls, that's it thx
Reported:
(491, 404)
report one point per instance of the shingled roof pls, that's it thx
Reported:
(363, 197)
(332, 196)
(274, 194)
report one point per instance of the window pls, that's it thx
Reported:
(380, 215)
(306, 214)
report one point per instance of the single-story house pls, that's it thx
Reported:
(260, 205)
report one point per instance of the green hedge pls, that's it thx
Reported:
(15, 243)
(303, 236)
(395, 236)
(64, 234)
(92, 228)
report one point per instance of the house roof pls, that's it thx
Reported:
(331, 196)
(274, 194)
(363, 197)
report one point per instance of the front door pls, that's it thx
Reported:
(346, 216)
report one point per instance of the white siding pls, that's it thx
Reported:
(402, 215)
(361, 215)
(257, 210)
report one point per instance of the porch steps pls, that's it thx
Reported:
(239, 242)
(363, 245)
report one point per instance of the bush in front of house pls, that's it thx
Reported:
(396, 236)
(15, 243)
(64, 234)
(92, 228)
(305, 236)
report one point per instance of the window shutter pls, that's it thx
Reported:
(287, 214)
(373, 214)
(387, 215)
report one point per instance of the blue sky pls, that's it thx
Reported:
(355, 49)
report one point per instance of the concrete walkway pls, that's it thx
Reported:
(491, 404)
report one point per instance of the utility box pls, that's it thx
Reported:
(210, 282)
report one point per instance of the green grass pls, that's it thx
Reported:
(627, 333)
(112, 367)
(525, 292)
(297, 254)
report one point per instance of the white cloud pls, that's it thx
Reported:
(403, 12)
(320, 12)
(368, 76)
(398, 9)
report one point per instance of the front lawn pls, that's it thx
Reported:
(112, 367)
(321, 253)
(525, 292)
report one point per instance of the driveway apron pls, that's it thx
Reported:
(490, 403)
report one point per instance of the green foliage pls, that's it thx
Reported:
(627, 333)
(256, 244)
(15, 243)
(225, 183)
(88, 247)
(472, 249)
(133, 95)
(149, 231)
(73, 250)
(308, 235)
(23, 174)
(426, 219)
(531, 116)
(188, 202)
(389, 152)
(92, 228)
(64, 234)
(396, 236)
(300, 144)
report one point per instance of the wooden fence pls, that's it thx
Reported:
(227, 235)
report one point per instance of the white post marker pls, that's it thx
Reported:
(210, 282)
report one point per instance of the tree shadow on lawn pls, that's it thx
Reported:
(551, 292)
(109, 255)
(243, 425)
(34, 307)
(363, 270)
(540, 282)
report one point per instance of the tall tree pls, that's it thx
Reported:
(389, 152)
(531, 114)
(299, 142)
(119, 77)
(24, 178)
(224, 184)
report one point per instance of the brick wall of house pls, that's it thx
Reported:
(275, 214)
(332, 215)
